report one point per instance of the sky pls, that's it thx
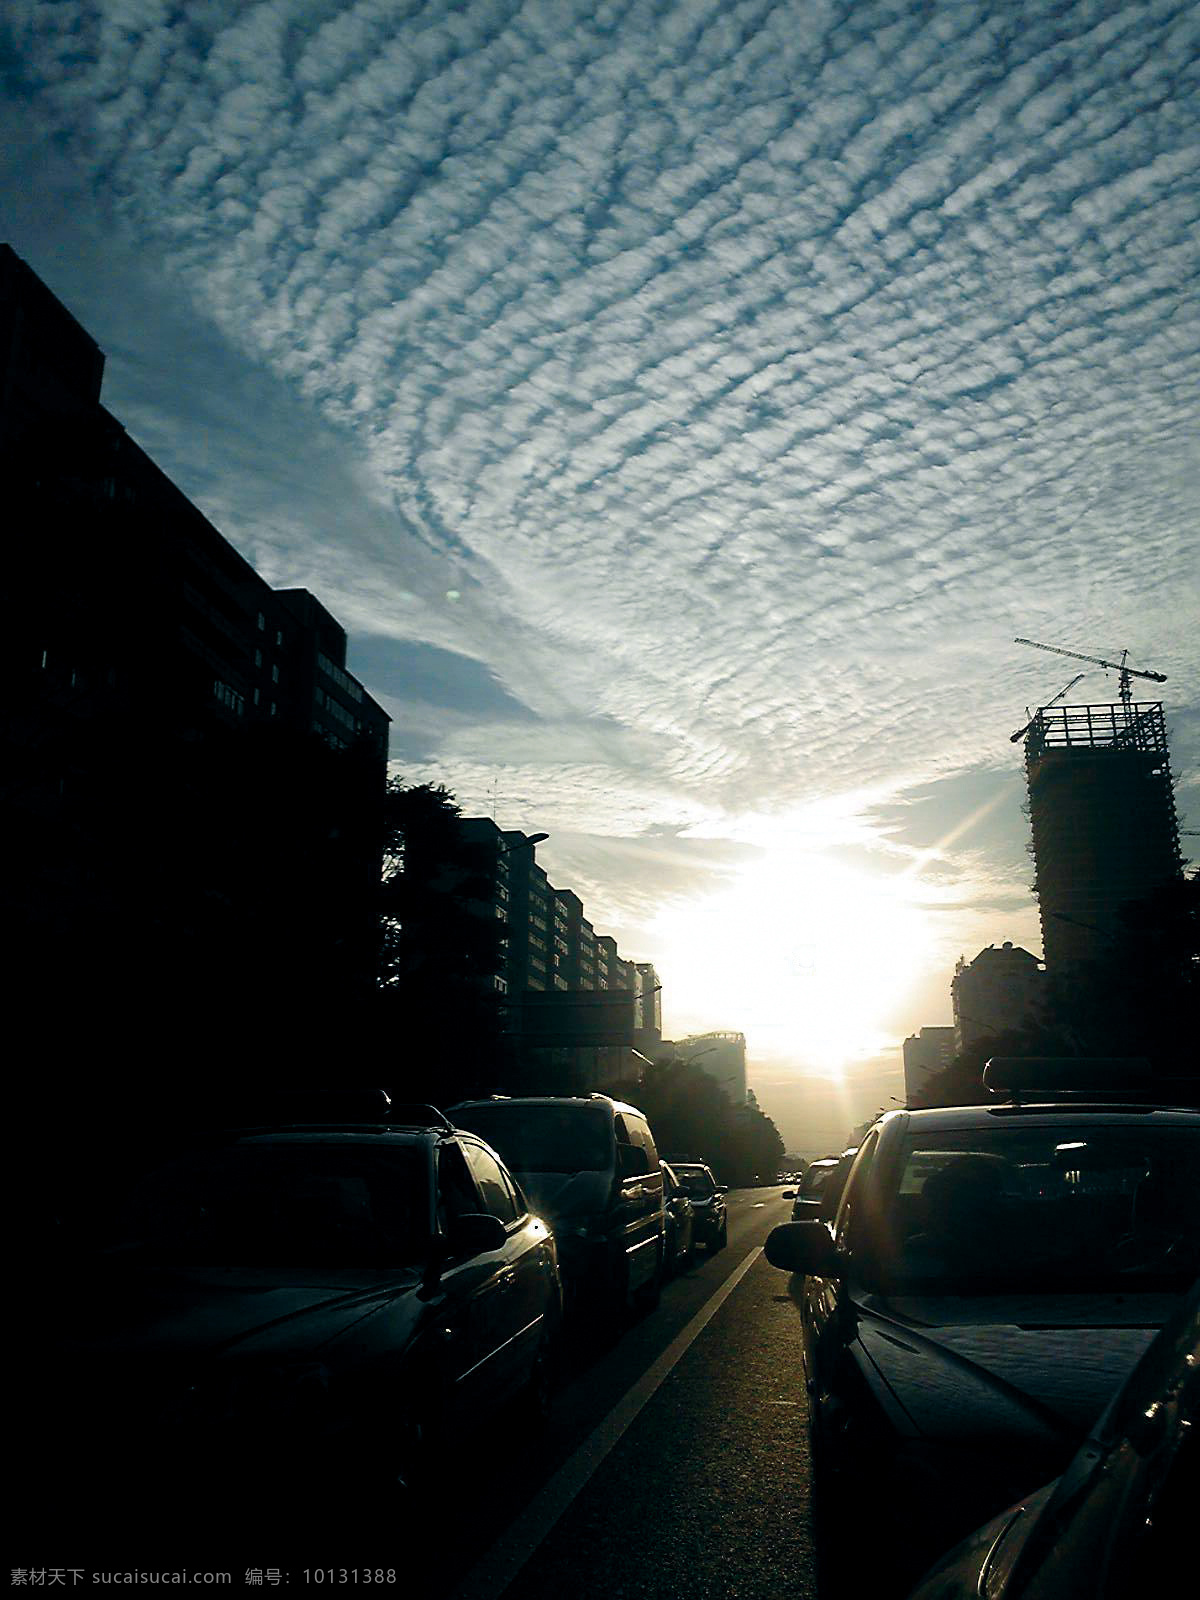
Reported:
(684, 405)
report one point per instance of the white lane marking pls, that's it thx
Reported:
(495, 1570)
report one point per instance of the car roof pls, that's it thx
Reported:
(367, 1133)
(941, 1119)
(548, 1100)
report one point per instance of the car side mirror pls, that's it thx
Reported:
(805, 1247)
(474, 1233)
(722, 1188)
(788, 1194)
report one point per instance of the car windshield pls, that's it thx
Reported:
(697, 1184)
(289, 1205)
(544, 1138)
(1096, 1208)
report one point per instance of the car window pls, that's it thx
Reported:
(851, 1219)
(1102, 1207)
(497, 1192)
(457, 1193)
(544, 1137)
(639, 1134)
(279, 1205)
(697, 1182)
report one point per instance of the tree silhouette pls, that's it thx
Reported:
(440, 948)
(693, 1117)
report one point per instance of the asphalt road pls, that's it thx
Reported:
(677, 1462)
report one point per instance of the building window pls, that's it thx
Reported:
(262, 622)
(258, 658)
(274, 674)
(229, 697)
(343, 679)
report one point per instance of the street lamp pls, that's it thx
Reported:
(523, 844)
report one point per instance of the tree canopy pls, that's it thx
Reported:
(693, 1118)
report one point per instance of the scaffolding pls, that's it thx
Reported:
(1102, 812)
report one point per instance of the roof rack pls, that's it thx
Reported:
(1100, 1078)
(418, 1114)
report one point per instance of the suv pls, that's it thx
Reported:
(590, 1166)
(279, 1315)
(710, 1223)
(992, 1274)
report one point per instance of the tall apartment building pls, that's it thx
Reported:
(160, 696)
(551, 949)
(1102, 813)
(722, 1056)
(925, 1053)
(999, 991)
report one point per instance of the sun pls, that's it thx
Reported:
(809, 957)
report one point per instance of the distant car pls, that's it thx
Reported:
(590, 1167)
(277, 1318)
(992, 1274)
(680, 1219)
(820, 1188)
(1119, 1522)
(708, 1202)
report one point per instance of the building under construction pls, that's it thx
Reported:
(1102, 811)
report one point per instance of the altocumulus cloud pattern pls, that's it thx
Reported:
(758, 369)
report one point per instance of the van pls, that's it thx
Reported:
(589, 1167)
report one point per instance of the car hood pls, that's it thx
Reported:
(187, 1311)
(1041, 1369)
(566, 1196)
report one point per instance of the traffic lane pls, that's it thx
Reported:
(707, 1493)
(598, 1375)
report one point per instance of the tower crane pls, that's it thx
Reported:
(1021, 732)
(1126, 672)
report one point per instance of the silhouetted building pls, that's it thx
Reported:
(999, 991)
(573, 1006)
(722, 1056)
(192, 777)
(925, 1053)
(1102, 813)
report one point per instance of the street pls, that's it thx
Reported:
(675, 1462)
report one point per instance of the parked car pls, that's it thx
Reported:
(590, 1166)
(680, 1219)
(276, 1319)
(708, 1202)
(820, 1188)
(992, 1274)
(1117, 1525)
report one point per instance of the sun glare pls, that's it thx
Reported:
(806, 956)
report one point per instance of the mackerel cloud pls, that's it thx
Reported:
(752, 372)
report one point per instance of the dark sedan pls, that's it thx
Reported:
(709, 1216)
(679, 1220)
(992, 1275)
(1118, 1524)
(819, 1190)
(273, 1321)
